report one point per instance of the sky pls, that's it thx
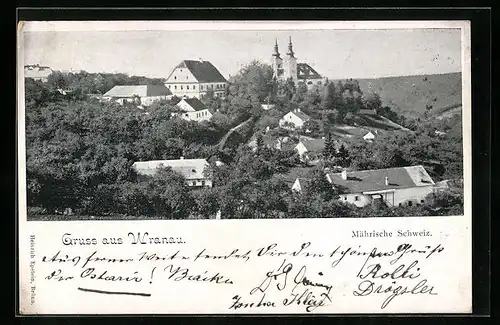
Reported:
(336, 54)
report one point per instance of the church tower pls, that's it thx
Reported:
(277, 63)
(290, 64)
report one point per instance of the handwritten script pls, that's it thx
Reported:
(269, 276)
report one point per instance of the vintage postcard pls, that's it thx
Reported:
(244, 167)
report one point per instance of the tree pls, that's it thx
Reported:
(329, 152)
(312, 126)
(343, 156)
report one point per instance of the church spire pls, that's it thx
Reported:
(290, 49)
(276, 52)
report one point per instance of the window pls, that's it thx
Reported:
(201, 87)
(187, 87)
(168, 86)
(202, 183)
(399, 204)
(224, 86)
(356, 198)
(345, 198)
(182, 87)
(422, 201)
(193, 170)
(186, 77)
(194, 183)
(194, 86)
(410, 203)
(175, 77)
(212, 86)
(175, 87)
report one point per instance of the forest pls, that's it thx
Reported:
(80, 151)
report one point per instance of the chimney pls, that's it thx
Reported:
(344, 175)
(386, 181)
(200, 59)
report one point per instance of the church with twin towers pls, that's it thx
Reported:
(287, 67)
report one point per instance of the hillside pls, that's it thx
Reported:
(408, 95)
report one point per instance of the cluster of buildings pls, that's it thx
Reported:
(393, 186)
(191, 80)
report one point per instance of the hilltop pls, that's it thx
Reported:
(410, 95)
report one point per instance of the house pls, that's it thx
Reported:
(193, 170)
(194, 78)
(300, 184)
(294, 119)
(369, 136)
(267, 107)
(288, 68)
(143, 95)
(309, 148)
(37, 72)
(294, 173)
(394, 186)
(192, 109)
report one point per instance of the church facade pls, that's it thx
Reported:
(288, 67)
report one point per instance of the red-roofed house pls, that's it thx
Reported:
(395, 186)
(193, 78)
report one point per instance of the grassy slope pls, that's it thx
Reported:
(409, 95)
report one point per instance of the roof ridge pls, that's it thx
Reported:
(380, 169)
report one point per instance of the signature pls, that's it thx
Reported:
(376, 272)
(298, 289)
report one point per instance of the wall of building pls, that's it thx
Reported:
(413, 194)
(146, 101)
(401, 196)
(197, 116)
(291, 118)
(184, 89)
(199, 182)
(359, 199)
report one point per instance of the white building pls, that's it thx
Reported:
(37, 72)
(369, 137)
(193, 110)
(143, 95)
(294, 119)
(309, 148)
(195, 171)
(395, 186)
(193, 78)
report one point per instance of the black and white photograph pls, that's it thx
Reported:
(235, 123)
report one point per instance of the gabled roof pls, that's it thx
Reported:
(303, 116)
(195, 103)
(305, 71)
(313, 145)
(189, 168)
(138, 90)
(294, 173)
(374, 180)
(203, 71)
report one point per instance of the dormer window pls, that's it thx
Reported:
(175, 77)
(193, 170)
